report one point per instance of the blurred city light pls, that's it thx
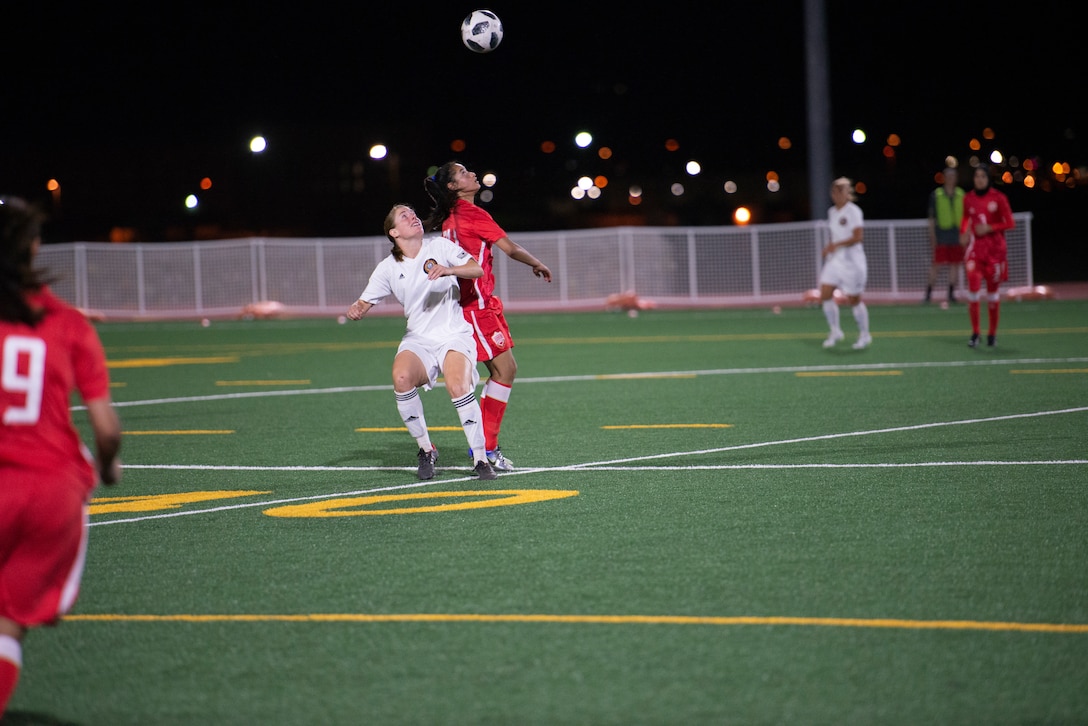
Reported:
(378, 151)
(257, 144)
(583, 139)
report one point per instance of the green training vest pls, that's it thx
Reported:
(949, 211)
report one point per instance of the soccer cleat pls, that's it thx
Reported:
(973, 342)
(863, 342)
(484, 471)
(498, 461)
(991, 340)
(427, 460)
(835, 337)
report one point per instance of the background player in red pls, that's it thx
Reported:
(986, 217)
(47, 351)
(453, 190)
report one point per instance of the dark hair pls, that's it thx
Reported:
(20, 229)
(443, 198)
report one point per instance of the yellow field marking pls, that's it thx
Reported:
(299, 382)
(161, 362)
(155, 502)
(387, 429)
(1053, 370)
(189, 432)
(117, 384)
(670, 426)
(353, 506)
(894, 623)
(826, 374)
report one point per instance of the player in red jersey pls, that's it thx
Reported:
(986, 217)
(47, 351)
(453, 190)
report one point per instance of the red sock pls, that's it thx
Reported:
(994, 311)
(493, 405)
(9, 676)
(972, 312)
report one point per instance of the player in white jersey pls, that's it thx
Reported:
(845, 266)
(421, 273)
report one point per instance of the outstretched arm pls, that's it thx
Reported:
(522, 255)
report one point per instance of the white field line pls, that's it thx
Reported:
(599, 466)
(617, 376)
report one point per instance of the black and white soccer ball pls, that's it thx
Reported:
(481, 31)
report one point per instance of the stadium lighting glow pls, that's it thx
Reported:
(191, 202)
(693, 168)
(577, 193)
(489, 180)
(585, 183)
(634, 191)
(996, 157)
(742, 215)
(378, 151)
(257, 144)
(677, 189)
(583, 139)
(858, 136)
(730, 187)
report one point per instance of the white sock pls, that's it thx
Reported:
(472, 420)
(410, 406)
(831, 312)
(861, 315)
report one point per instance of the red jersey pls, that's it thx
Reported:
(41, 367)
(991, 208)
(475, 230)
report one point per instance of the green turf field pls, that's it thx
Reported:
(713, 521)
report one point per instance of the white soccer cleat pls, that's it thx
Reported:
(863, 342)
(835, 337)
(498, 461)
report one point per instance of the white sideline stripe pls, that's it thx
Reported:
(824, 437)
(613, 376)
(603, 466)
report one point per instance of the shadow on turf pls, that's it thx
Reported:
(31, 718)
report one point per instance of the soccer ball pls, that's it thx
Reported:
(481, 31)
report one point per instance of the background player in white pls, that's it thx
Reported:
(421, 273)
(845, 266)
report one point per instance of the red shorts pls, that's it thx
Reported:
(947, 254)
(43, 542)
(993, 273)
(490, 330)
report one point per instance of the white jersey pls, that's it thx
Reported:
(432, 307)
(842, 223)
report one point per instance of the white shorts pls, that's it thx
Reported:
(845, 275)
(433, 356)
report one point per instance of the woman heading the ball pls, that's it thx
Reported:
(421, 272)
(453, 190)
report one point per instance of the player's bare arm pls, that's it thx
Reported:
(516, 252)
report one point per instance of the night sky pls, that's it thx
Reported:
(130, 105)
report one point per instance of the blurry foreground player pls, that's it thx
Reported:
(47, 351)
(986, 217)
